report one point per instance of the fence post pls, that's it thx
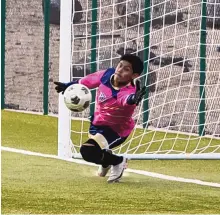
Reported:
(93, 48)
(46, 54)
(147, 15)
(3, 14)
(202, 70)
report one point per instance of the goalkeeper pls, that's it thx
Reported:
(116, 99)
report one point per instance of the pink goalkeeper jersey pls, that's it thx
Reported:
(111, 105)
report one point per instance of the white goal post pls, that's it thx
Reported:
(180, 116)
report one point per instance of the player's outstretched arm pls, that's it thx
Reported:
(91, 81)
(138, 96)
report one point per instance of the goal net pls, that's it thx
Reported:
(178, 41)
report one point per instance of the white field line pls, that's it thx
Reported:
(140, 172)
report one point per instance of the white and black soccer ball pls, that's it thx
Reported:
(77, 97)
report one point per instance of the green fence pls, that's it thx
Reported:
(31, 53)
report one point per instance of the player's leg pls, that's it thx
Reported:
(98, 133)
(117, 171)
(104, 168)
(92, 152)
(107, 138)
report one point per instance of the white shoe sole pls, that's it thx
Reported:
(119, 177)
(116, 180)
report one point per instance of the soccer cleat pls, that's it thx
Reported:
(102, 172)
(117, 171)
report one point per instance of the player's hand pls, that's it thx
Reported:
(60, 87)
(139, 94)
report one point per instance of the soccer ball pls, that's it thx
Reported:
(77, 97)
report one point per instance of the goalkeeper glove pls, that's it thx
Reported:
(138, 96)
(61, 87)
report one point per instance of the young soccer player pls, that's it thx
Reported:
(116, 100)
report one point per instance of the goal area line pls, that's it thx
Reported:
(140, 172)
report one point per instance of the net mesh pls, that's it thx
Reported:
(174, 69)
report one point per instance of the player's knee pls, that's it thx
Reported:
(91, 153)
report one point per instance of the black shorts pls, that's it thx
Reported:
(111, 136)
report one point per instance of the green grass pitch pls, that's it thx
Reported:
(39, 185)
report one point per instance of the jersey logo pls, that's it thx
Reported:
(102, 97)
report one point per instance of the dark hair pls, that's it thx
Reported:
(135, 61)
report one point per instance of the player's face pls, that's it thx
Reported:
(124, 73)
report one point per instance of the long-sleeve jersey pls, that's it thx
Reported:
(111, 108)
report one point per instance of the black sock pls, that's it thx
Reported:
(109, 151)
(105, 165)
(110, 159)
